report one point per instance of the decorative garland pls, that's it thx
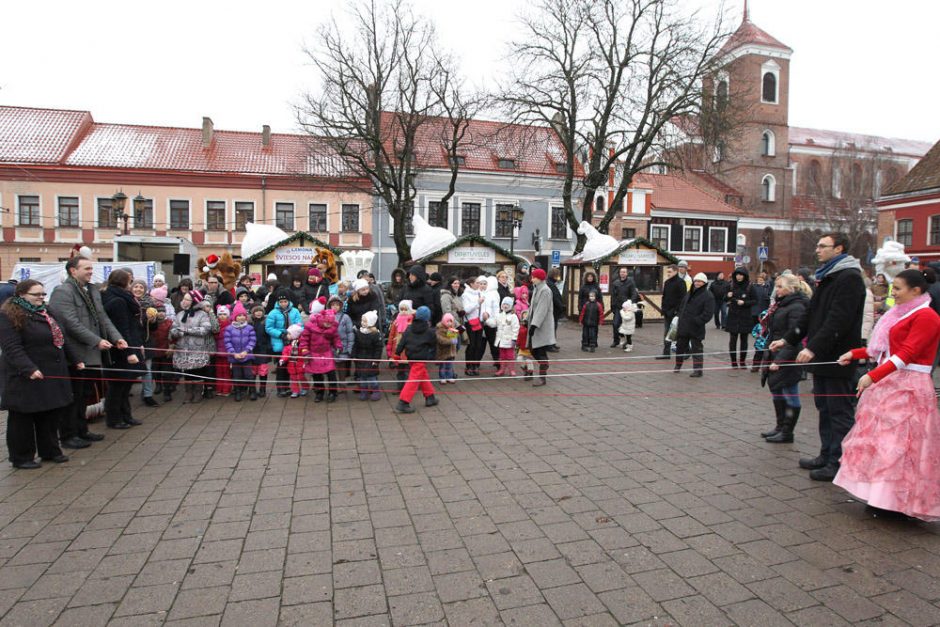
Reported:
(294, 236)
(476, 239)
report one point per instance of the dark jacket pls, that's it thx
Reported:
(419, 341)
(832, 323)
(221, 297)
(124, 311)
(83, 330)
(786, 318)
(934, 288)
(558, 303)
(357, 305)
(740, 317)
(310, 292)
(588, 287)
(761, 299)
(504, 291)
(23, 353)
(592, 314)
(420, 293)
(621, 291)
(696, 311)
(395, 289)
(719, 289)
(7, 290)
(263, 349)
(674, 292)
(368, 349)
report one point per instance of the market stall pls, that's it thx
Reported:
(286, 257)
(470, 256)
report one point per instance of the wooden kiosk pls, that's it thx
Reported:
(471, 256)
(645, 262)
(290, 254)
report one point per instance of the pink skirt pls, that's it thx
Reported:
(891, 457)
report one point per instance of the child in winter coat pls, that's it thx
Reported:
(448, 338)
(525, 358)
(262, 352)
(367, 352)
(592, 317)
(223, 370)
(317, 343)
(522, 302)
(418, 345)
(627, 324)
(402, 321)
(507, 330)
(345, 329)
(292, 361)
(160, 345)
(240, 342)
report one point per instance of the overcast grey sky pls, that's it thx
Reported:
(859, 65)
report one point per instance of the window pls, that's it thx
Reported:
(692, 239)
(179, 215)
(350, 216)
(437, 214)
(768, 144)
(28, 210)
(768, 188)
(935, 230)
(904, 232)
(244, 213)
(470, 218)
(628, 234)
(561, 168)
(769, 87)
(599, 204)
(559, 224)
(284, 215)
(408, 217)
(458, 161)
(856, 180)
(317, 218)
(659, 235)
(143, 217)
(504, 226)
(68, 211)
(33, 260)
(721, 96)
(814, 178)
(106, 218)
(215, 215)
(507, 164)
(717, 240)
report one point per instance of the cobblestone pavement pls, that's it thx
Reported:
(607, 499)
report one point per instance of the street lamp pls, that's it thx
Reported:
(117, 207)
(513, 215)
(140, 203)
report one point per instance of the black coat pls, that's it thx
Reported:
(786, 318)
(674, 291)
(761, 299)
(357, 305)
(124, 312)
(741, 318)
(23, 353)
(262, 350)
(558, 303)
(420, 293)
(621, 291)
(719, 289)
(586, 289)
(368, 346)
(832, 324)
(418, 342)
(696, 311)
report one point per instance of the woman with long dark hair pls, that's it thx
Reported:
(740, 322)
(126, 365)
(34, 374)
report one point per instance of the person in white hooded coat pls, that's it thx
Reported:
(488, 312)
(472, 300)
(507, 331)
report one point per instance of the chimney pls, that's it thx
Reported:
(266, 136)
(206, 132)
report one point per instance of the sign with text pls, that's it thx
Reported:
(637, 257)
(471, 255)
(294, 255)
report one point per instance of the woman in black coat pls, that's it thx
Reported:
(697, 309)
(34, 373)
(124, 311)
(783, 378)
(741, 298)
(590, 285)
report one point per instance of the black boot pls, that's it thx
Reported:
(404, 408)
(734, 360)
(742, 360)
(431, 401)
(779, 405)
(238, 395)
(252, 395)
(790, 416)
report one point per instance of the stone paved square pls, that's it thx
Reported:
(621, 494)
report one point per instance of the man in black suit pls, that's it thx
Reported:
(674, 290)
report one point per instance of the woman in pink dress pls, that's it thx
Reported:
(891, 457)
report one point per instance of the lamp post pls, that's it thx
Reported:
(117, 207)
(140, 203)
(514, 216)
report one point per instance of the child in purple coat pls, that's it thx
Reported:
(240, 341)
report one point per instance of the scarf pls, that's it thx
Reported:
(825, 269)
(83, 290)
(240, 325)
(766, 318)
(187, 312)
(878, 344)
(58, 339)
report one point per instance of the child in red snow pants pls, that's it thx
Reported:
(417, 378)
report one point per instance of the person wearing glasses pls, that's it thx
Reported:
(832, 326)
(34, 371)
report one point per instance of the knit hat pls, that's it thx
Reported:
(334, 299)
(282, 294)
(539, 274)
(239, 310)
(257, 308)
(369, 319)
(139, 282)
(423, 313)
(197, 296)
(406, 307)
(158, 294)
(294, 331)
(241, 290)
(436, 276)
(700, 277)
(418, 272)
(683, 264)
(447, 319)
(316, 307)
(159, 277)
(358, 284)
(508, 301)
(222, 309)
(314, 272)
(272, 277)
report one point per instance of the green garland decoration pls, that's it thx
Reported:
(294, 236)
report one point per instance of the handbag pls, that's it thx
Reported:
(673, 332)
(475, 324)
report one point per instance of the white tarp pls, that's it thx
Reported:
(52, 274)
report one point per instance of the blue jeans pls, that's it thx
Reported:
(370, 383)
(445, 370)
(146, 383)
(789, 393)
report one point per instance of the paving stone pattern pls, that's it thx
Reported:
(597, 500)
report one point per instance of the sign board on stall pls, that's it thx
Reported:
(294, 255)
(637, 257)
(471, 255)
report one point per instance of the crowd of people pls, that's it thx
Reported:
(203, 340)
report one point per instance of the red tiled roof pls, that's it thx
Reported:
(674, 193)
(749, 33)
(714, 182)
(925, 175)
(29, 135)
(869, 143)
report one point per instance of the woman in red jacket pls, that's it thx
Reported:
(891, 457)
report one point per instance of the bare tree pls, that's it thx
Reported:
(386, 93)
(611, 77)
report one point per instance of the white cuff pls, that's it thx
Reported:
(897, 361)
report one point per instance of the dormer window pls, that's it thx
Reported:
(507, 164)
(458, 160)
(561, 168)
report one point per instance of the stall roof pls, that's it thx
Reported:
(473, 239)
(636, 242)
(296, 235)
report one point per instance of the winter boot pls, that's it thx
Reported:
(779, 405)
(790, 416)
(376, 395)
(262, 387)
(331, 397)
(628, 348)
(431, 401)
(742, 360)
(404, 408)
(252, 394)
(363, 395)
(238, 395)
(499, 372)
(318, 397)
(734, 360)
(167, 395)
(512, 372)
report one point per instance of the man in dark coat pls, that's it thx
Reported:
(832, 325)
(216, 293)
(622, 289)
(719, 290)
(7, 290)
(558, 303)
(420, 293)
(674, 291)
(696, 310)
